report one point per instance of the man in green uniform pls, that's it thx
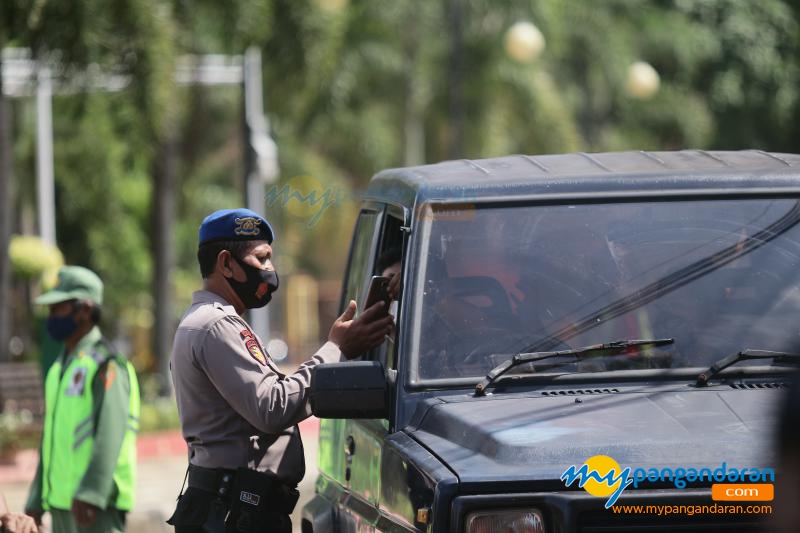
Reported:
(87, 459)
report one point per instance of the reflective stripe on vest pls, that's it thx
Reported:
(69, 430)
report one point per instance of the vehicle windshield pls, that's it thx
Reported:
(718, 276)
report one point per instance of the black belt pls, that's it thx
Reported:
(257, 489)
(215, 480)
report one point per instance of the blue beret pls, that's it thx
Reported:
(235, 225)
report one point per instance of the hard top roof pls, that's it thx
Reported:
(578, 173)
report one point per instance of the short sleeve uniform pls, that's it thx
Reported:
(236, 408)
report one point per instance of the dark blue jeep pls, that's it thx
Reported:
(585, 342)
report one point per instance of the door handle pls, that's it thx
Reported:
(349, 450)
(349, 446)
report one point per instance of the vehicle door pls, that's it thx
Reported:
(379, 499)
(335, 450)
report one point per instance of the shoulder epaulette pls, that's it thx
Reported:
(103, 351)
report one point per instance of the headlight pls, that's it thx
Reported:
(506, 521)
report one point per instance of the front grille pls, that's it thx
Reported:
(608, 522)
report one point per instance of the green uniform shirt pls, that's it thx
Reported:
(111, 402)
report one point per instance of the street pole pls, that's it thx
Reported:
(163, 217)
(45, 190)
(261, 159)
(6, 210)
(455, 82)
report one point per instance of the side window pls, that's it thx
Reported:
(361, 252)
(389, 261)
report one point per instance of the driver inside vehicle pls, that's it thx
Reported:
(471, 314)
(389, 266)
(462, 318)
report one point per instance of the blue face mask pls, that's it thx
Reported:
(60, 328)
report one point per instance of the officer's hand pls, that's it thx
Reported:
(356, 336)
(19, 523)
(84, 513)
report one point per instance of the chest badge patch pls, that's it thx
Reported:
(252, 346)
(77, 382)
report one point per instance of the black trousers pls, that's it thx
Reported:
(199, 511)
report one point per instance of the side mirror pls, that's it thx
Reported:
(357, 389)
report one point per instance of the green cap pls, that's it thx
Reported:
(74, 283)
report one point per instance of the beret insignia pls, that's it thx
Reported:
(247, 226)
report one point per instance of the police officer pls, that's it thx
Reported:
(87, 460)
(239, 413)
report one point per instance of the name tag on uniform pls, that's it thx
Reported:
(77, 382)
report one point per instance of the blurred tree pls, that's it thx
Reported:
(353, 87)
(729, 72)
(126, 37)
(63, 29)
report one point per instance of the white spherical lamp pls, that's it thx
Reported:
(524, 42)
(643, 80)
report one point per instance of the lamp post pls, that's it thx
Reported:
(261, 158)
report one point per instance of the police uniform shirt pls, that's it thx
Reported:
(236, 408)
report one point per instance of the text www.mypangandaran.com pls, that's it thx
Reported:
(663, 510)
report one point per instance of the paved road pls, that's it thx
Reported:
(158, 483)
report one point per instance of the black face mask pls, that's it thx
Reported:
(256, 290)
(60, 328)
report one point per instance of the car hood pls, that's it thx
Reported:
(518, 437)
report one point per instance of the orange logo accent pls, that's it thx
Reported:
(740, 492)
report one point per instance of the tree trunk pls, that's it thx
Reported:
(414, 127)
(6, 207)
(163, 220)
(456, 79)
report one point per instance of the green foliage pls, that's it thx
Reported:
(146, 44)
(158, 415)
(31, 257)
(103, 193)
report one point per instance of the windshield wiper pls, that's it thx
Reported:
(587, 352)
(744, 355)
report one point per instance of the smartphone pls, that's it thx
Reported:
(378, 290)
